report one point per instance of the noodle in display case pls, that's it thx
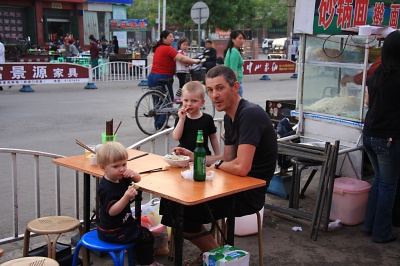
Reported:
(327, 109)
(326, 60)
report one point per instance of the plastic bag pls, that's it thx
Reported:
(151, 219)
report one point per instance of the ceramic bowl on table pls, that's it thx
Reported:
(177, 160)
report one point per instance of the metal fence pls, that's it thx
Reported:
(120, 71)
(26, 191)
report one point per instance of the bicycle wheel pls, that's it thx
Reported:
(149, 112)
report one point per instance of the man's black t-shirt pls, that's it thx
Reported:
(253, 126)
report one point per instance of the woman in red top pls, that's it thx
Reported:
(164, 66)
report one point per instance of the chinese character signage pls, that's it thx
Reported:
(263, 67)
(12, 23)
(331, 16)
(128, 24)
(42, 73)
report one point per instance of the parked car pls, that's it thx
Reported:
(278, 49)
(266, 45)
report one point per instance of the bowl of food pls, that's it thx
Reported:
(176, 160)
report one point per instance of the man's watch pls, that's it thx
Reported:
(218, 163)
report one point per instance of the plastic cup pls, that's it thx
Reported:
(87, 152)
(107, 138)
(191, 165)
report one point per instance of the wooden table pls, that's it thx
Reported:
(170, 185)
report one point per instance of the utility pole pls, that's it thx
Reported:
(164, 14)
(291, 5)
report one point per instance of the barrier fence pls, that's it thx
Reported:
(30, 73)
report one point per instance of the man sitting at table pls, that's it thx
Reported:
(250, 150)
(73, 51)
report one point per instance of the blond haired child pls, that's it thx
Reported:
(191, 119)
(116, 223)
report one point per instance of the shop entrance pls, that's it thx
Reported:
(57, 28)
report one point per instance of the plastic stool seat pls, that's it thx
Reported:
(299, 164)
(91, 241)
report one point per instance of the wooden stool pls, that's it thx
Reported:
(52, 225)
(28, 261)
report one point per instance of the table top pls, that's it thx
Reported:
(170, 184)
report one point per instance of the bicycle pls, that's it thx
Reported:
(157, 102)
(152, 104)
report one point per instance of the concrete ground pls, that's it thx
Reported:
(53, 116)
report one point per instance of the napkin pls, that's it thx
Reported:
(188, 175)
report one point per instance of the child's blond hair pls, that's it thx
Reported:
(195, 86)
(111, 152)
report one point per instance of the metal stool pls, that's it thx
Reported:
(91, 241)
(28, 261)
(299, 164)
(52, 225)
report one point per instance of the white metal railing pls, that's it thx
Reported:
(121, 71)
(33, 192)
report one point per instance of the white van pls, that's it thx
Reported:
(278, 49)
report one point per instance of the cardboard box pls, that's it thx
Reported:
(226, 255)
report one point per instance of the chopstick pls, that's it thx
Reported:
(136, 157)
(120, 122)
(83, 145)
(153, 170)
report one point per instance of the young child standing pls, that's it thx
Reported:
(182, 69)
(191, 119)
(116, 223)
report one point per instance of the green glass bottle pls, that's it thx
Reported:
(199, 171)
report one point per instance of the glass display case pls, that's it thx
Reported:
(326, 60)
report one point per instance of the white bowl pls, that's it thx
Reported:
(177, 160)
(93, 159)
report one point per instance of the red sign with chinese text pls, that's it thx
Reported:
(263, 67)
(334, 15)
(42, 73)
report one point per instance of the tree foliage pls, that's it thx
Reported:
(224, 14)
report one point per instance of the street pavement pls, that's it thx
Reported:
(52, 117)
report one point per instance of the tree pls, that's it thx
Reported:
(224, 14)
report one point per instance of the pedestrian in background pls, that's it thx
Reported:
(233, 58)
(164, 66)
(115, 45)
(94, 54)
(382, 140)
(182, 69)
(211, 56)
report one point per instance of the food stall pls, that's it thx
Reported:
(327, 110)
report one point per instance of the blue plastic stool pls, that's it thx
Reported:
(91, 241)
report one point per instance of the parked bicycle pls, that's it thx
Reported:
(156, 103)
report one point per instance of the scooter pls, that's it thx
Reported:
(197, 71)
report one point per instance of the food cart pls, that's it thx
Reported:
(328, 111)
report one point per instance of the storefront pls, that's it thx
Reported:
(39, 21)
